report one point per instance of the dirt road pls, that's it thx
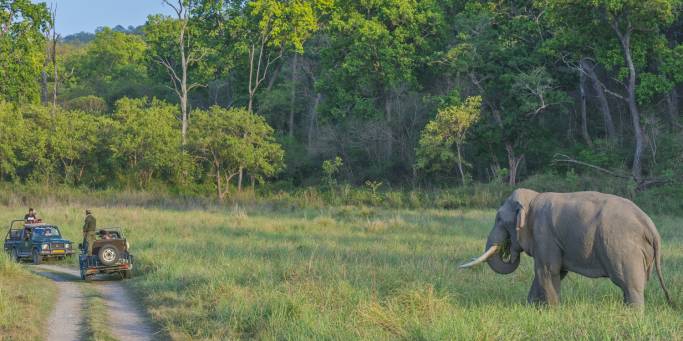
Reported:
(66, 320)
(125, 318)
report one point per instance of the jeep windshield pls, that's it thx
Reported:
(46, 232)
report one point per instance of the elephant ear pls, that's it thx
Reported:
(524, 232)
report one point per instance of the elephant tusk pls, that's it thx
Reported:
(481, 258)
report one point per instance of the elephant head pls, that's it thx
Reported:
(509, 236)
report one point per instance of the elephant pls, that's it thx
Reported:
(590, 233)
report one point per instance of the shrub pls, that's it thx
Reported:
(89, 104)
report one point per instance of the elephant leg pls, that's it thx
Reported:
(630, 274)
(633, 283)
(536, 294)
(549, 275)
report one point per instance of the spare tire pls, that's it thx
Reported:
(108, 255)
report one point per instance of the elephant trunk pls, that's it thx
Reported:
(506, 260)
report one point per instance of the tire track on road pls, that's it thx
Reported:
(125, 318)
(66, 320)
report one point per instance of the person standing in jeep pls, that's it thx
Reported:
(30, 217)
(89, 231)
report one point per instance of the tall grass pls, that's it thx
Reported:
(358, 273)
(663, 199)
(25, 302)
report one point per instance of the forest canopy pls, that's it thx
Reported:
(406, 92)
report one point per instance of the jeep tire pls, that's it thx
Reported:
(127, 274)
(108, 255)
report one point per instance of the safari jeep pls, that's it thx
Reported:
(36, 241)
(110, 255)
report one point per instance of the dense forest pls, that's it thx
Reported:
(225, 94)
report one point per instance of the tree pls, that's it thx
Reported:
(266, 28)
(145, 139)
(22, 47)
(448, 128)
(112, 66)
(632, 24)
(73, 141)
(12, 132)
(233, 141)
(508, 73)
(159, 32)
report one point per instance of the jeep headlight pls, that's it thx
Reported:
(127, 245)
(67, 246)
(45, 246)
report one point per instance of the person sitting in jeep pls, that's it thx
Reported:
(105, 235)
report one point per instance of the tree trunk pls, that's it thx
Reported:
(54, 67)
(239, 179)
(292, 100)
(252, 52)
(462, 173)
(672, 108)
(312, 118)
(513, 161)
(610, 130)
(584, 114)
(183, 84)
(183, 110)
(513, 164)
(389, 143)
(43, 83)
(274, 77)
(219, 188)
(636, 168)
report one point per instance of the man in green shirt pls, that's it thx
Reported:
(89, 231)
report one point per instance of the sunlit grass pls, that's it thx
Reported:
(359, 273)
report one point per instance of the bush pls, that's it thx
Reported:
(89, 104)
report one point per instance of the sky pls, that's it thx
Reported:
(74, 16)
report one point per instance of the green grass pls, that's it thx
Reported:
(26, 301)
(358, 273)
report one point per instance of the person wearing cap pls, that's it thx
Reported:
(89, 228)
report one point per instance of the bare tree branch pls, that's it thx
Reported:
(562, 158)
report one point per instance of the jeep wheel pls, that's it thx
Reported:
(37, 258)
(108, 255)
(15, 256)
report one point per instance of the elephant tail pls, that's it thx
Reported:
(658, 267)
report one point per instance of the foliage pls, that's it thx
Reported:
(74, 139)
(112, 66)
(357, 79)
(145, 139)
(331, 169)
(233, 141)
(22, 43)
(89, 104)
(449, 128)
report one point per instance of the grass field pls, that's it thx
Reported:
(26, 300)
(359, 273)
